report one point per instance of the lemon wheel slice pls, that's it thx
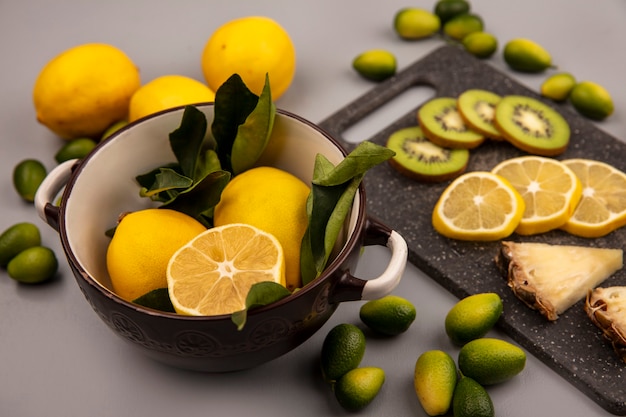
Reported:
(213, 273)
(549, 188)
(478, 205)
(602, 208)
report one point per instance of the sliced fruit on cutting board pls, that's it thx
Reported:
(477, 109)
(478, 206)
(552, 278)
(441, 122)
(549, 188)
(606, 307)
(532, 126)
(420, 159)
(602, 208)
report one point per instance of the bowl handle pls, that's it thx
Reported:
(351, 288)
(48, 191)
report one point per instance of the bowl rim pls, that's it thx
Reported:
(353, 241)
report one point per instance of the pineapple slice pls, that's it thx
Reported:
(606, 307)
(552, 278)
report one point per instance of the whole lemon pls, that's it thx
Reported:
(85, 89)
(274, 201)
(251, 47)
(143, 243)
(166, 92)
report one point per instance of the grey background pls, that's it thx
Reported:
(57, 358)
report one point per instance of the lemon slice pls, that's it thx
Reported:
(602, 208)
(213, 273)
(549, 188)
(478, 205)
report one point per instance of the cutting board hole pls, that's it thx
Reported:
(388, 113)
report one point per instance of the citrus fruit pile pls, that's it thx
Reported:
(88, 88)
(441, 384)
(356, 386)
(89, 91)
(220, 231)
(23, 255)
(530, 195)
(258, 227)
(458, 23)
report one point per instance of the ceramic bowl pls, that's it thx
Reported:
(96, 189)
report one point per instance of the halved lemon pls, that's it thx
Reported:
(602, 208)
(213, 273)
(549, 188)
(478, 205)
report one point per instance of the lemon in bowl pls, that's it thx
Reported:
(100, 187)
(142, 245)
(213, 273)
(274, 201)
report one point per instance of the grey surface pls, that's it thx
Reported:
(57, 358)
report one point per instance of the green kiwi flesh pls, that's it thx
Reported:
(477, 108)
(532, 126)
(441, 122)
(420, 159)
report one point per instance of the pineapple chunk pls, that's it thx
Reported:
(552, 278)
(606, 307)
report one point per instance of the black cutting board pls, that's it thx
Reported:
(572, 346)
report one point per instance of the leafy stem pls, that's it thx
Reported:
(205, 163)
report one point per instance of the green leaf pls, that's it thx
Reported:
(325, 222)
(233, 103)
(365, 156)
(241, 128)
(207, 162)
(166, 179)
(254, 134)
(148, 179)
(186, 141)
(330, 202)
(260, 294)
(202, 196)
(342, 209)
(158, 299)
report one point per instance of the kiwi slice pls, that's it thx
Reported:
(442, 123)
(532, 126)
(477, 108)
(420, 159)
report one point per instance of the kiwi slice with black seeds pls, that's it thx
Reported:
(442, 123)
(477, 108)
(532, 126)
(418, 158)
